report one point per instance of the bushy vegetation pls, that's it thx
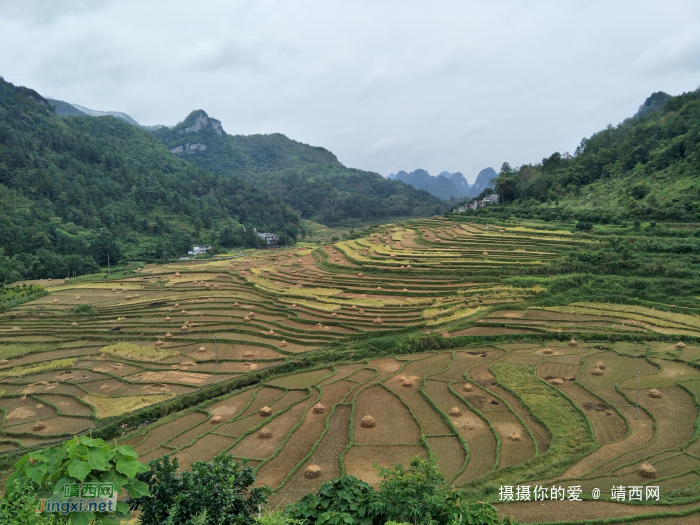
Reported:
(415, 494)
(74, 190)
(309, 179)
(221, 490)
(647, 167)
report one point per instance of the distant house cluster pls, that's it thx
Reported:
(196, 250)
(270, 238)
(486, 201)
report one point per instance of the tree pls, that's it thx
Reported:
(220, 489)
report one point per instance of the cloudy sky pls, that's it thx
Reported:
(384, 84)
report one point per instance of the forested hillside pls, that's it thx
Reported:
(310, 179)
(73, 189)
(647, 167)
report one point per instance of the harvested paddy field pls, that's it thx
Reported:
(410, 340)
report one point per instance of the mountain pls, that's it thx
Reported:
(440, 186)
(67, 109)
(460, 182)
(308, 178)
(75, 188)
(647, 167)
(483, 181)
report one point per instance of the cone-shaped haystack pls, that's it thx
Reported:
(248, 354)
(159, 343)
(455, 411)
(467, 387)
(283, 343)
(74, 324)
(312, 472)
(361, 311)
(334, 314)
(402, 378)
(318, 408)
(378, 321)
(251, 314)
(3, 362)
(485, 253)
(265, 411)
(271, 332)
(427, 332)
(557, 381)
(407, 384)
(353, 307)
(183, 311)
(597, 371)
(548, 351)
(202, 349)
(294, 305)
(360, 274)
(600, 365)
(216, 419)
(168, 318)
(655, 393)
(379, 287)
(184, 328)
(177, 305)
(236, 304)
(515, 436)
(680, 345)
(573, 342)
(38, 426)
(77, 298)
(168, 334)
(178, 274)
(647, 470)
(468, 426)
(368, 422)
(246, 319)
(265, 433)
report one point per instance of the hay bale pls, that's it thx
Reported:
(16, 328)
(184, 328)
(379, 288)
(600, 365)
(402, 379)
(557, 381)
(361, 311)
(105, 387)
(515, 436)
(680, 345)
(168, 318)
(548, 351)
(407, 384)
(74, 324)
(334, 314)
(77, 298)
(202, 349)
(337, 259)
(353, 307)
(485, 253)
(368, 422)
(597, 371)
(283, 343)
(468, 426)
(271, 332)
(573, 342)
(236, 304)
(360, 274)
(455, 411)
(168, 334)
(159, 343)
(216, 419)
(251, 314)
(312, 472)
(318, 408)
(378, 321)
(427, 332)
(265, 433)
(3, 362)
(265, 411)
(393, 255)
(248, 354)
(646, 470)
(246, 319)
(38, 426)
(467, 387)
(656, 394)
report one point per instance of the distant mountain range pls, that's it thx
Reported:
(447, 185)
(65, 108)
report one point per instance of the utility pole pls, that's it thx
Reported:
(109, 272)
(216, 352)
(636, 404)
(163, 257)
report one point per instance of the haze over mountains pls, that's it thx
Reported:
(447, 185)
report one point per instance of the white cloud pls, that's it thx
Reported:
(679, 52)
(448, 85)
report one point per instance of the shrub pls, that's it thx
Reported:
(342, 500)
(85, 309)
(219, 490)
(81, 459)
(20, 510)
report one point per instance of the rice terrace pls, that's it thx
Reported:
(412, 339)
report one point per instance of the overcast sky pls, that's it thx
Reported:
(385, 85)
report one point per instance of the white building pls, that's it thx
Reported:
(196, 250)
(270, 238)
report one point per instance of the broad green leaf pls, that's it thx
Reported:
(122, 509)
(127, 452)
(81, 518)
(96, 459)
(138, 489)
(37, 472)
(79, 469)
(128, 467)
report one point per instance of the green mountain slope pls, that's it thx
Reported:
(647, 167)
(74, 188)
(310, 179)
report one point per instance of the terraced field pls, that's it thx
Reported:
(406, 342)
